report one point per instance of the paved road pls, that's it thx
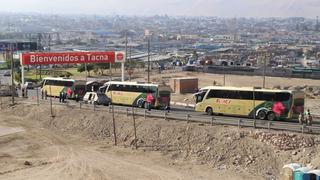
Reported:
(4, 79)
(187, 115)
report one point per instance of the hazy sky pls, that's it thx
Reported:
(223, 8)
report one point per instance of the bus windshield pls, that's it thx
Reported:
(200, 95)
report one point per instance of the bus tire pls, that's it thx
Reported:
(262, 115)
(271, 116)
(209, 111)
(143, 104)
(140, 104)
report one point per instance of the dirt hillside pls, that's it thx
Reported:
(78, 145)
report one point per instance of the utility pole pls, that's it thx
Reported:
(12, 74)
(224, 75)
(317, 24)
(39, 49)
(51, 111)
(130, 64)
(49, 43)
(126, 56)
(264, 71)
(148, 59)
(110, 71)
(86, 70)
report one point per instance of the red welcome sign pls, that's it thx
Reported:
(70, 58)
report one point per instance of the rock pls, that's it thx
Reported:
(220, 158)
(223, 167)
(208, 149)
(276, 87)
(240, 135)
(27, 163)
(294, 153)
(310, 89)
(316, 93)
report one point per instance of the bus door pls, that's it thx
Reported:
(80, 90)
(297, 105)
(199, 97)
(218, 100)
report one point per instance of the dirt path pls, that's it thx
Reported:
(52, 156)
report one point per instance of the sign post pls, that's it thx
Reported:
(120, 58)
(22, 72)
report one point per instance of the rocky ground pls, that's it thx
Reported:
(78, 144)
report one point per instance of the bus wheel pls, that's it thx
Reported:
(144, 105)
(209, 111)
(262, 115)
(140, 104)
(271, 116)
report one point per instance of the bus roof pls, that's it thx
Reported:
(58, 78)
(131, 83)
(246, 89)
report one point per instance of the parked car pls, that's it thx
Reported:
(5, 90)
(7, 73)
(96, 98)
(29, 85)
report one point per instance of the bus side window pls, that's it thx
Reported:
(112, 87)
(282, 96)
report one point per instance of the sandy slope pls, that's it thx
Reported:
(71, 154)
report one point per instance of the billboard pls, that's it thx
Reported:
(71, 58)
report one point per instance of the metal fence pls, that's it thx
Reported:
(188, 117)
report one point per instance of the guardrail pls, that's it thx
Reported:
(316, 115)
(196, 118)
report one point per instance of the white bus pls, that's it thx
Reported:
(134, 94)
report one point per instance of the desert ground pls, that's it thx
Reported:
(79, 144)
(34, 145)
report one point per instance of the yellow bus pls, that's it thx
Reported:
(250, 102)
(54, 86)
(134, 94)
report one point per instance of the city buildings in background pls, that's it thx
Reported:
(284, 46)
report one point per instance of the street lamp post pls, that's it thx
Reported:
(148, 59)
